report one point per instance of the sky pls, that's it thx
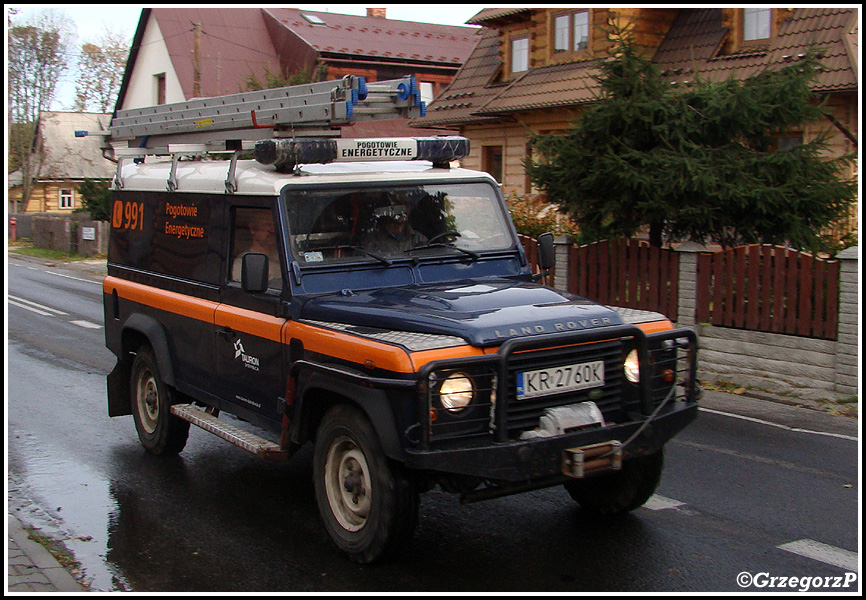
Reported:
(92, 20)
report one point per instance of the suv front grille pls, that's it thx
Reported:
(498, 413)
(524, 414)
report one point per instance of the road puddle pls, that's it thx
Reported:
(68, 502)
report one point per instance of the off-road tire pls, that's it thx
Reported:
(159, 431)
(619, 492)
(367, 503)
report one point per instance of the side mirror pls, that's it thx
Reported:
(546, 252)
(254, 272)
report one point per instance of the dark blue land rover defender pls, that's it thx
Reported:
(385, 313)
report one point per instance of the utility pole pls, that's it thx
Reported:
(196, 61)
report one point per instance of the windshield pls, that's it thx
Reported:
(388, 223)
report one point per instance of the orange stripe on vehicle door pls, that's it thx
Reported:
(179, 304)
(249, 321)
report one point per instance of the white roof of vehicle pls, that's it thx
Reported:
(260, 180)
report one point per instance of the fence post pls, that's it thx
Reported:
(847, 357)
(688, 285)
(560, 272)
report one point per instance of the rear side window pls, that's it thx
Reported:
(170, 234)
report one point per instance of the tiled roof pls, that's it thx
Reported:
(691, 46)
(471, 88)
(491, 15)
(69, 157)
(548, 87)
(234, 45)
(697, 34)
(238, 42)
(366, 37)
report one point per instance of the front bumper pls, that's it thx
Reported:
(541, 458)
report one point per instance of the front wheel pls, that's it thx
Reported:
(367, 503)
(160, 431)
(621, 491)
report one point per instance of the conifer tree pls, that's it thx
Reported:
(701, 162)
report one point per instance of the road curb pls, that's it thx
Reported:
(32, 568)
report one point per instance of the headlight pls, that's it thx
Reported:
(631, 366)
(456, 392)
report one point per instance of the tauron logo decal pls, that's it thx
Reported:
(250, 362)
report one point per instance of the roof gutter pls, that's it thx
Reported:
(385, 61)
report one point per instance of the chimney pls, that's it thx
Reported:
(376, 12)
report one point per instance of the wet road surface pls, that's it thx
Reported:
(734, 496)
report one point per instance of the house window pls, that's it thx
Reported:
(789, 142)
(571, 31)
(562, 27)
(159, 82)
(65, 200)
(756, 23)
(491, 157)
(520, 54)
(581, 30)
(313, 19)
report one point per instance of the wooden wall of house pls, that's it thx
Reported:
(649, 26)
(45, 197)
(513, 137)
(844, 107)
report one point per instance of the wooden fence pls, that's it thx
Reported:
(768, 288)
(625, 272)
(758, 287)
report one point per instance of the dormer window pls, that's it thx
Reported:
(571, 31)
(520, 54)
(756, 24)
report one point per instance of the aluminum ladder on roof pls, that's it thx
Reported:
(224, 123)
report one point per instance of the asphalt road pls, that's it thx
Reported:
(755, 496)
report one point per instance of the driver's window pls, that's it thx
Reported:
(253, 231)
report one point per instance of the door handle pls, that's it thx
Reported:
(226, 332)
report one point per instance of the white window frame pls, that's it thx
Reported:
(66, 198)
(583, 15)
(571, 32)
(757, 24)
(520, 54)
(562, 32)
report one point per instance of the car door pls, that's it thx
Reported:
(249, 354)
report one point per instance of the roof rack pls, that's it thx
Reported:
(236, 121)
(278, 125)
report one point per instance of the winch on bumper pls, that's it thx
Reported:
(479, 419)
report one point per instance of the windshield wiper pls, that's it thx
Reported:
(473, 255)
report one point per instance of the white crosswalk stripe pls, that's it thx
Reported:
(825, 553)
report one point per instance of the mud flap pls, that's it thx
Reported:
(117, 383)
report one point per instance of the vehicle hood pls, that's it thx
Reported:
(482, 313)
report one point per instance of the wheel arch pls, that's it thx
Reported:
(317, 394)
(138, 330)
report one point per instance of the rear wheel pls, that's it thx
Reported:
(160, 431)
(621, 491)
(367, 503)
